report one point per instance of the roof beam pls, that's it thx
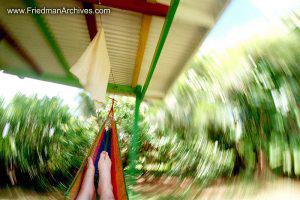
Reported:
(161, 42)
(120, 89)
(41, 22)
(146, 22)
(140, 6)
(90, 20)
(111, 88)
(4, 34)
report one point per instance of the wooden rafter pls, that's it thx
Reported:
(1, 35)
(90, 20)
(146, 22)
(4, 34)
(140, 6)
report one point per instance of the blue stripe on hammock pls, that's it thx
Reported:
(107, 134)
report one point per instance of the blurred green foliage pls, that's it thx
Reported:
(231, 114)
(41, 144)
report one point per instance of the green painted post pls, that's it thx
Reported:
(140, 93)
(134, 137)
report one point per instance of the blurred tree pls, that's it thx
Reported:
(86, 105)
(41, 141)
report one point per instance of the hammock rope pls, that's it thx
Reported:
(106, 140)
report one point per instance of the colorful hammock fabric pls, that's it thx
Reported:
(107, 140)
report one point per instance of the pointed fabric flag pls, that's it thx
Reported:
(93, 67)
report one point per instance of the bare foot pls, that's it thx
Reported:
(87, 189)
(104, 185)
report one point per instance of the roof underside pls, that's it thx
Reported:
(123, 30)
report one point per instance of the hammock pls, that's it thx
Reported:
(106, 140)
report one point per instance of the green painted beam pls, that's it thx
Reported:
(120, 89)
(163, 36)
(111, 88)
(42, 24)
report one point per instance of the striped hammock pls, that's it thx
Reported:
(107, 140)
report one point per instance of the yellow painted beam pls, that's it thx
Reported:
(146, 22)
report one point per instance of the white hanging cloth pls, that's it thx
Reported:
(93, 67)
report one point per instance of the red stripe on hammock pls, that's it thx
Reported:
(116, 168)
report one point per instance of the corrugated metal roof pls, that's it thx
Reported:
(28, 35)
(122, 33)
(180, 45)
(183, 41)
(192, 22)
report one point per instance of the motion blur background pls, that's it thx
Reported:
(228, 129)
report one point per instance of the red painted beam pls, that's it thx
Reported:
(141, 6)
(14, 44)
(90, 20)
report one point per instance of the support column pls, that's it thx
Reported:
(135, 135)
